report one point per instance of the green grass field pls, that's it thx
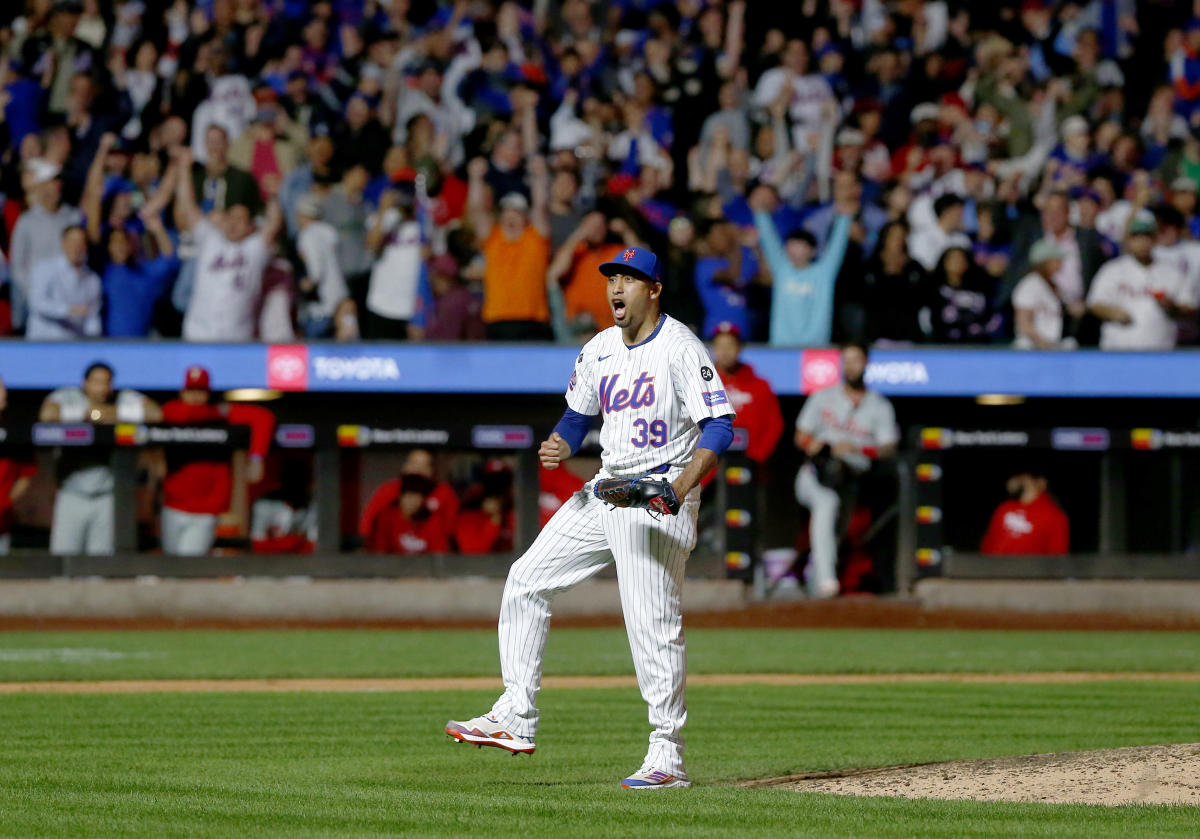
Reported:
(377, 764)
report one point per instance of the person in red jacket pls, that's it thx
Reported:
(487, 523)
(409, 524)
(555, 488)
(284, 520)
(17, 467)
(442, 501)
(1030, 523)
(750, 395)
(199, 481)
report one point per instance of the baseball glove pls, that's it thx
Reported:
(656, 495)
(832, 471)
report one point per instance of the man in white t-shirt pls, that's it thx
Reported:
(396, 279)
(811, 96)
(926, 244)
(1138, 298)
(230, 258)
(323, 287)
(1037, 301)
(1176, 248)
(230, 103)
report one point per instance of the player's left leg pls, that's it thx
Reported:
(824, 505)
(570, 549)
(650, 557)
(197, 535)
(69, 524)
(100, 525)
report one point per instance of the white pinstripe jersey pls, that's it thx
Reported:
(651, 396)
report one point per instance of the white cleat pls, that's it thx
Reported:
(486, 731)
(826, 590)
(650, 778)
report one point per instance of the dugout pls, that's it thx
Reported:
(438, 395)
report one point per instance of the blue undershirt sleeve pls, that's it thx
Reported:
(716, 433)
(573, 427)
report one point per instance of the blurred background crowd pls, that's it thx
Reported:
(905, 171)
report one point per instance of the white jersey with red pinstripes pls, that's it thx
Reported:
(651, 396)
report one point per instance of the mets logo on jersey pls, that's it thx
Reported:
(640, 396)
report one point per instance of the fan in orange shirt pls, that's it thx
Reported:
(516, 253)
(578, 260)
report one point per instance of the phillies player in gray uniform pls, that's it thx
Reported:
(83, 506)
(665, 412)
(851, 426)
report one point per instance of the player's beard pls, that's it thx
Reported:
(856, 382)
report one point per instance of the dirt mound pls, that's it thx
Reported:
(1136, 775)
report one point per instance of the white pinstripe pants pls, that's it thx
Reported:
(583, 537)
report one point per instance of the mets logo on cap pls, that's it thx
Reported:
(634, 262)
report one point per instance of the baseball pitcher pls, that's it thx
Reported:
(666, 419)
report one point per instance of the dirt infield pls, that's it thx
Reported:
(862, 612)
(1136, 775)
(571, 682)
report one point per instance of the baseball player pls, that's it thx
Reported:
(842, 429)
(82, 522)
(199, 481)
(666, 419)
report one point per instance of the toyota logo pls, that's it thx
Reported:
(287, 368)
(820, 373)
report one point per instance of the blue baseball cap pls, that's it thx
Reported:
(637, 262)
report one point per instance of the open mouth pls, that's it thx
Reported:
(618, 308)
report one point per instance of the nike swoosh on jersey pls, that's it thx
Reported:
(603, 357)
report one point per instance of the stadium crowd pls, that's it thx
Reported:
(904, 171)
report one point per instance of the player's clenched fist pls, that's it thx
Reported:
(554, 451)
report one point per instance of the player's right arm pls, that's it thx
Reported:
(50, 410)
(187, 211)
(553, 451)
(583, 403)
(807, 426)
(479, 217)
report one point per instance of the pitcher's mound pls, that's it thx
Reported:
(1137, 775)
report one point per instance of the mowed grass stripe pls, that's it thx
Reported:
(118, 686)
(372, 765)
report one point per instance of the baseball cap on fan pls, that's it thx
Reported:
(636, 262)
(42, 171)
(196, 378)
(515, 201)
(1044, 250)
(1143, 224)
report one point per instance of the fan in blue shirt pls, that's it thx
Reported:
(802, 288)
(133, 286)
(722, 284)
